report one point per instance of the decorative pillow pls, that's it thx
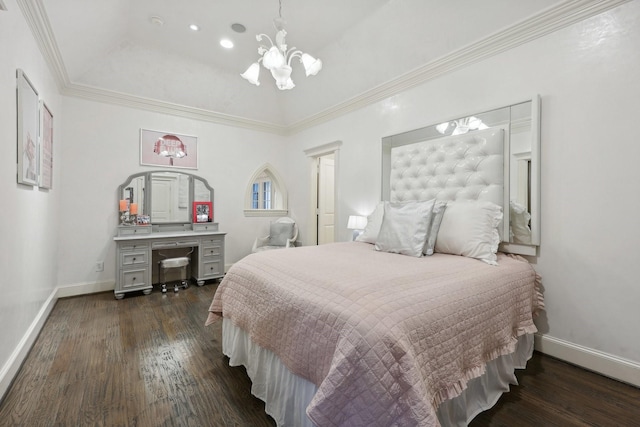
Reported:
(470, 228)
(280, 232)
(374, 221)
(404, 227)
(520, 230)
(436, 219)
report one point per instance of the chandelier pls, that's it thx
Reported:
(461, 126)
(277, 59)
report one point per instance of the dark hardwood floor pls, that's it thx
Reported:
(149, 361)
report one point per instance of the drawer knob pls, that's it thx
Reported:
(133, 280)
(134, 258)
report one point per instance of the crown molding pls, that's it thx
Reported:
(126, 100)
(539, 25)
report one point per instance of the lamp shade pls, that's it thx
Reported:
(311, 65)
(252, 74)
(282, 77)
(273, 58)
(357, 222)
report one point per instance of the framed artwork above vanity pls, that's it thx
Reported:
(166, 149)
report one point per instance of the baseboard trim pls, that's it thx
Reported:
(84, 289)
(603, 363)
(11, 368)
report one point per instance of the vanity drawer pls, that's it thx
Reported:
(174, 244)
(207, 226)
(213, 268)
(134, 258)
(129, 246)
(130, 279)
(211, 251)
(134, 230)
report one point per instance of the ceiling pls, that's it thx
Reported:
(114, 49)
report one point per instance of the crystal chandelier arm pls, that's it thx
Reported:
(260, 36)
(291, 54)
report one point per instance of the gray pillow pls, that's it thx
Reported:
(404, 227)
(280, 232)
(438, 212)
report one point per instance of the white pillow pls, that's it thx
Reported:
(470, 228)
(436, 220)
(520, 231)
(404, 227)
(374, 221)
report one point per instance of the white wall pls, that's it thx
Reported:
(102, 148)
(28, 228)
(587, 76)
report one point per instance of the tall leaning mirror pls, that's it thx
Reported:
(521, 207)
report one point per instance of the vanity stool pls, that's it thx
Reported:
(180, 262)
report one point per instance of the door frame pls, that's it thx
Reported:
(313, 154)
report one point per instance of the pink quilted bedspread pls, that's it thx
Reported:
(385, 337)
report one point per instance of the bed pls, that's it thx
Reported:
(419, 323)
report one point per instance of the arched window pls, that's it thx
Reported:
(266, 194)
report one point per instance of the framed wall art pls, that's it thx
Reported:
(28, 124)
(46, 153)
(202, 212)
(168, 149)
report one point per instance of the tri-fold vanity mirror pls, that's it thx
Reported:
(167, 198)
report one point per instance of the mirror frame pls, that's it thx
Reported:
(148, 196)
(423, 134)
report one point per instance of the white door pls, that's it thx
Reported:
(326, 202)
(162, 191)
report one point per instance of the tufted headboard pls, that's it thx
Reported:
(460, 167)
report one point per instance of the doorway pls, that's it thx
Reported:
(324, 192)
(325, 200)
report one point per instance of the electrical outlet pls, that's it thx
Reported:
(100, 266)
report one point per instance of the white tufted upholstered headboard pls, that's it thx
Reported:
(461, 167)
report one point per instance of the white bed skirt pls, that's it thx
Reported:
(287, 395)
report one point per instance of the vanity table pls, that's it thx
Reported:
(168, 198)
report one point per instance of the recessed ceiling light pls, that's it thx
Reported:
(194, 27)
(226, 43)
(238, 28)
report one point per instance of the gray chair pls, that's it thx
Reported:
(282, 234)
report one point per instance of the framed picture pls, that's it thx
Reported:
(168, 149)
(28, 124)
(46, 153)
(202, 212)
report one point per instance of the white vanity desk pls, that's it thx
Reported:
(135, 246)
(168, 200)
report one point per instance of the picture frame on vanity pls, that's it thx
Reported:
(28, 130)
(46, 153)
(202, 212)
(168, 149)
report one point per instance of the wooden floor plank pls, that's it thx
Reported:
(149, 361)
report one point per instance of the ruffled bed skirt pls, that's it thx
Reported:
(287, 395)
